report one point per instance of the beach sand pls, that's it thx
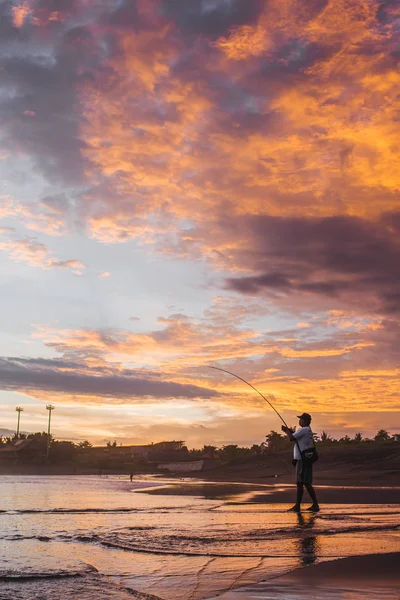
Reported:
(355, 518)
(357, 577)
(186, 539)
(263, 492)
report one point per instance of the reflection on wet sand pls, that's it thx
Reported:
(308, 544)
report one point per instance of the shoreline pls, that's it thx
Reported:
(241, 492)
(216, 476)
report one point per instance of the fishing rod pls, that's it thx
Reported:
(252, 386)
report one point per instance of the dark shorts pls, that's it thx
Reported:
(304, 473)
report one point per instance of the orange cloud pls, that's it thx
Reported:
(352, 320)
(20, 13)
(180, 342)
(291, 353)
(36, 254)
(326, 143)
(344, 372)
(247, 143)
(245, 42)
(49, 218)
(7, 206)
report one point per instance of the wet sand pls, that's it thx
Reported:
(182, 539)
(273, 493)
(369, 576)
(373, 569)
(353, 578)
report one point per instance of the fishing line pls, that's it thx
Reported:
(252, 386)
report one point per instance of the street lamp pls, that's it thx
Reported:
(19, 410)
(49, 407)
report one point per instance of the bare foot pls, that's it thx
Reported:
(313, 508)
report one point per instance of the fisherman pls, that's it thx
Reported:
(303, 439)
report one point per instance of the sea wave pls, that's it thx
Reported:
(17, 575)
(80, 511)
(153, 540)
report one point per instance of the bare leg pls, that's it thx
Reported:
(313, 496)
(300, 489)
(296, 507)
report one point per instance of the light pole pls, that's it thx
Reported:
(49, 407)
(19, 410)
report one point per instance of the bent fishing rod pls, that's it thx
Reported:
(252, 386)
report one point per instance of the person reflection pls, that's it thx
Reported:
(308, 545)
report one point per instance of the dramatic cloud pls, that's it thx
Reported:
(195, 148)
(340, 257)
(339, 362)
(35, 376)
(178, 343)
(211, 18)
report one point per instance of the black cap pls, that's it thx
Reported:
(305, 416)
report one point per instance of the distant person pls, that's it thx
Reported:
(131, 476)
(303, 439)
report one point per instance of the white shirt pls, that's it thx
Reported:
(304, 437)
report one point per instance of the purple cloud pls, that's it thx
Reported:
(18, 374)
(341, 257)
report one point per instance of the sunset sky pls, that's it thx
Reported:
(187, 183)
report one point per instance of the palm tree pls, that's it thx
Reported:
(325, 437)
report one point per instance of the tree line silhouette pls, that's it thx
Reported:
(276, 442)
(83, 452)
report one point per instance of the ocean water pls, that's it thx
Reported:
(96, 538)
